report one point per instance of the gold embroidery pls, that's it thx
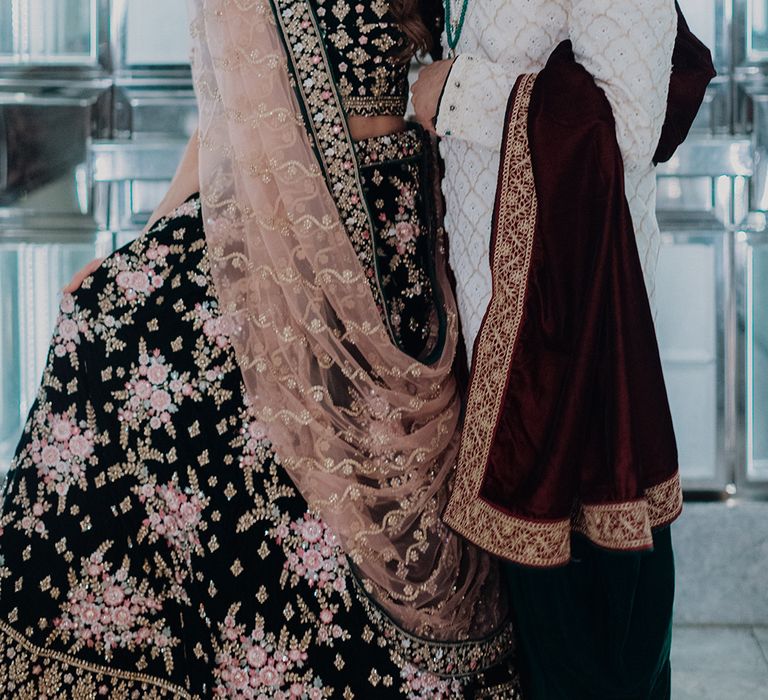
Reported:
(466, 513)
(619, 526)
(505, 691)
(376, 105)
(665, 501)
(330, 131)
(443, 659)
(627, 526)
(64, 672)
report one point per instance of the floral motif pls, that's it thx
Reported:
(419, 685)
(189, 209)
(174, 514)
(371, 80)
(255, 445)
(32, 521)
(181, 508)
(107, 610)
(403, 243)
(61, 448)
(216, 329)
(143, 279)
(69, 327)
(257, 665)
(313, 553)
(153, 393)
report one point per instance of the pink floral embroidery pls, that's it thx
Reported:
(138, 277)
(406, 232)
(255, 446)
(137, 282)
(173, 514)
(107, 610)
(257, 666)
(190, 208)
(420, 685)
(328, 630)
(216, 328)
(61, 449)
(155, 391)
(32, 521)
(66, 335)
(314, 554)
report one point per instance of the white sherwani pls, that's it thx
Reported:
(627, 47)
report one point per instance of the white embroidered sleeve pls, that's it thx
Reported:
(474, 101)
(626, 45)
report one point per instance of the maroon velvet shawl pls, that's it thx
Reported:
(567, 427)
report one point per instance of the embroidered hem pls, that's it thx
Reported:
(443, 659)
(32, 671)
(617, 526)
(370, 106)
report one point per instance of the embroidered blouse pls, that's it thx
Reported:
(363, 41)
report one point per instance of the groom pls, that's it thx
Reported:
(568, 464)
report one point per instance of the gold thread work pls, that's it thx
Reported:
(540, 543)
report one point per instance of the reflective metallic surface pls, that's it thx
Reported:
(96, 103)
(48, 31)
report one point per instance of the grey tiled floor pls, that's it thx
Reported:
(720, 663)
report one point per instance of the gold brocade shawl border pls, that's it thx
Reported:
(18, 676)
(541, 543)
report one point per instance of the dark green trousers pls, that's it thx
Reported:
(599, 628)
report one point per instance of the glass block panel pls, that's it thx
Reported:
(10, 357)
(157, 33)
(163, 114)
(685, 194)
(33, 270)
(757, 30)
(702, 18)
(43, 32)
(687, 312)
(145, 196)
(46, 148)
(757, 363)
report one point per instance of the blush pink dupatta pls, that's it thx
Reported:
(368, 434)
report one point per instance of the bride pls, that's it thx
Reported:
(231, 482)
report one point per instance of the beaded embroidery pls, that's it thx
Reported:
(362, 41)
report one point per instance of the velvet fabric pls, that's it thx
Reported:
(585, 416)
(599, 628)
(580, 438)
(692, 71)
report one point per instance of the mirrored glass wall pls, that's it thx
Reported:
(96, 104)
(35, 32)
(757, 359)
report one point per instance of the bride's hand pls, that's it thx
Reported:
(77, 280)
(91, 267)
(185, 183)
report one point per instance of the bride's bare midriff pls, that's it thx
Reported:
(367, 127)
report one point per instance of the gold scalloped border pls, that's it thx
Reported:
(11, 638)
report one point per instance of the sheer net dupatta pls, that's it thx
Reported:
(368, 435)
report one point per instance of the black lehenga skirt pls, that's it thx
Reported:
(153, 547)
